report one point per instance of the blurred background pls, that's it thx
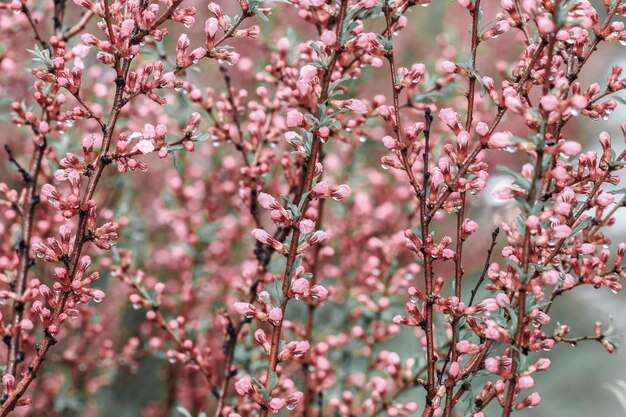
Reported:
(577, 384)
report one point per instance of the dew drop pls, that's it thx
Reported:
(136, 306)
(413, 299)
(172, 360)
(622, 42)
(40, 255)
(362, 139)
(384, 166)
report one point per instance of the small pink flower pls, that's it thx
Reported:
(550, 277)
(295, 118)
(342, 191)
(275, 315)
(357, 106)
(390, 143)
(482, 128)
(500, 140)
(300, 286)
(549, 102)
(26, 324)
(318, 237)
(145, 146)
(306, 226)
(454, 369)
(561, 231)
(492, 365)
(267, 201)
(502, 300)
(293, 399)
(319, 292)
(261, 235)
(463, 346)
(542, 364)
(469, 227)
(275, 404)
(245, 309)
(489, 305)
(8, 381)
(605, 199)
(525, 382)
(308, 73)
(447, 66)
(450, 118)
(329, 37)
(244, 386)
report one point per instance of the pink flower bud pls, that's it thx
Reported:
(500, 140)
(357, 106)
(447, 66)
(525, 382)
(561, 231)
(605, 199)
(295, 118)
(308, 73)
(492, 365)
(244, 386)
(549, 102)
(463, 346)
(275, 315)
(306, 226)
(275, 404)
(8, 381)
(267, 201)
(261, 235)
(329, 37)
(550, 277)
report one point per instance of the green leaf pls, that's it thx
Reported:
(273, 380)
(520, 272)
(519, 178)
(182, 410)
(619, 391)
(279, 292)
(579, 227)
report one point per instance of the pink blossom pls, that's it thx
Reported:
(244, 386)
(295, 118)
(605, 199)
(357, 106)
(561, 231)
(329, 37)
(275, 315)
(308, 73)
(500, 140)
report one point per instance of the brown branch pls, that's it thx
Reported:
(306, 185)
(428, 274)
(494, 237)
